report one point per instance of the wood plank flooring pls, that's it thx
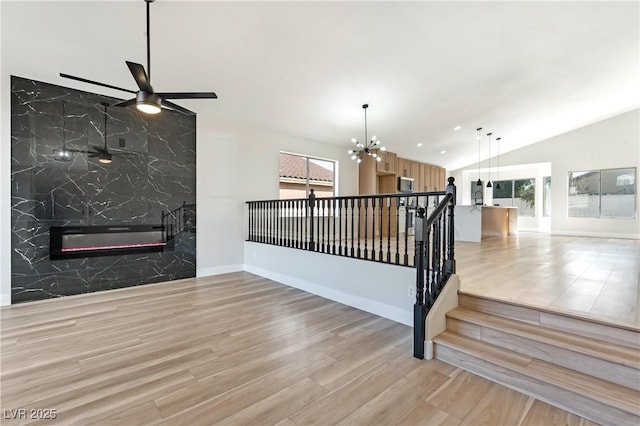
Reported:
(233, 349)
(593, 277)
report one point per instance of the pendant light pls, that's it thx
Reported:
(498, 157)
(489, 180)
(479, 182)
(63, 154)
(369, 147)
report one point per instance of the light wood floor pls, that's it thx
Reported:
(593, 277)
(234, 349)
(242, 349)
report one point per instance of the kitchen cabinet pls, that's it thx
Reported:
(388, 163)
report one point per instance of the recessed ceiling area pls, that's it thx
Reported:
(525, 71)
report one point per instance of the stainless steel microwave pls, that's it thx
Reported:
(405, 184)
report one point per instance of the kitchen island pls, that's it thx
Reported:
(476, 223)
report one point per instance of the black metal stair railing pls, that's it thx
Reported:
(435, 260)
(377, 228)
(181, 219)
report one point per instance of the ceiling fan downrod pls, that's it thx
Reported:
(149, 38)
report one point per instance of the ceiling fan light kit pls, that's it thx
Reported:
(147, 100)
(149, 103)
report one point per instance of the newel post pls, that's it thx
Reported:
(450, 262)
(312, 205)
(419, 308)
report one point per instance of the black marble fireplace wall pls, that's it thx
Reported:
(153, 170)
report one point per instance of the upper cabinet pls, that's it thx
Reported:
(380, 177)
(409, 168)
(388, 163)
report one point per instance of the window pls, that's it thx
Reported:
(503, 196)
(477, 193)
(520, 193)
(299, 173)
(524, 196)
(603, 193)
(546, 196)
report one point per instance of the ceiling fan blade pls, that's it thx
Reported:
(177, 108)
(140, 76)
(126, 103)
(188, 95)
(84, 80)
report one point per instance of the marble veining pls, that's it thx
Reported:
(153, 170)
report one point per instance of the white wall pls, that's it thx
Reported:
(611, 143)
(237, 164)
(370, 286)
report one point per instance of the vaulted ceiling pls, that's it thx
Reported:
(525, 71)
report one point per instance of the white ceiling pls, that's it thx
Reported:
(525, 71)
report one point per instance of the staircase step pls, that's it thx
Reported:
(617, 334)
(587, 396)
(618, 364)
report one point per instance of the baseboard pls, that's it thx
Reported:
(624, 236)
(386, 311)
(218, 270)
(5, 299)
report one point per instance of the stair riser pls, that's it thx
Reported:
(559, 397)
(603, 369)
(555, 321)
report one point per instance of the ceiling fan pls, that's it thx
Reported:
(147, 100)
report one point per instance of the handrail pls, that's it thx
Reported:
(377, 227)
(435, 261)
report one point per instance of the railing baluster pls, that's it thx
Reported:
(312, 204)
(373, 229)
(260, 219)
(300, 219)
(339, 226)
(366, 225)
(324, 230)
(288, 217)
(380, 254)
(272, 208)
(333, 220)
(398, 231)
(406, 232)
(389, 230)
(306, 226)
(359, 223)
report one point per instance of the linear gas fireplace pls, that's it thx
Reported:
(69, 242)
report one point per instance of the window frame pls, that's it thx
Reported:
(512, 184)
(600, 194)
(308, 181)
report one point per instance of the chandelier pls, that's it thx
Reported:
(369, 147)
